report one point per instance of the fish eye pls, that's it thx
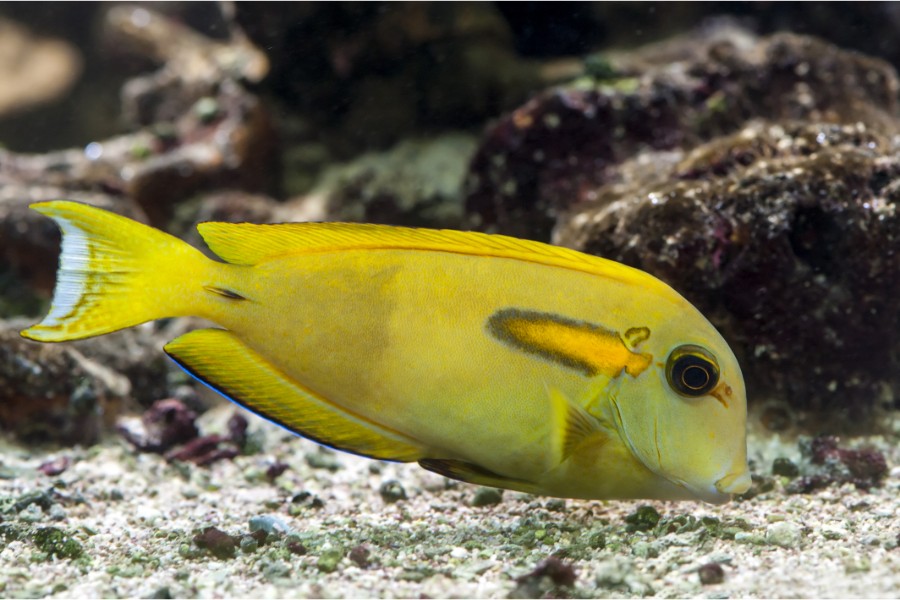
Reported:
(692, 371)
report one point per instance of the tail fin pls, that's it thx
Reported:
(114, 273)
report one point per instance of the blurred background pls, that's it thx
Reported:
(745, 153)
(325, 57)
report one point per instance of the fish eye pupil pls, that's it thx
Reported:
(692, 371)
(694, 377)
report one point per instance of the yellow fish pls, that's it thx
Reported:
(484, 358)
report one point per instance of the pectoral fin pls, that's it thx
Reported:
(573, 425)
(472, 473)
(219, 359)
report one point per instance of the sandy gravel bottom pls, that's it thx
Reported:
(134, 518)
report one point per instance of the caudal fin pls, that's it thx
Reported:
(114, 273)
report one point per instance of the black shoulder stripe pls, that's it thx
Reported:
(224, 292)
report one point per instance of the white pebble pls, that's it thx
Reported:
(784, 534)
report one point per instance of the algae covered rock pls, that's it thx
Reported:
(755, 175)
(70, 393)
(563, 146)
(55, 393)
(417, 182)
(786, 237)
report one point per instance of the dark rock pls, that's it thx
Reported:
(561, 573)
(557, 151)
(193, 64)
(827, 463)
(231, 206)
(183, 147)
(249, 544)
(166, 424)
(161, 593)
(777, 416)
(205, 450)
(556, 505)
(137, 354)
(55, 393)
(760, 484)
(645, 518)
(57, 466)
(295, 547)
(43, 499)
(307, 499)
(789, 255)
(237, 428)
(784, 467)
(548, 577)
(807, 484)
(783, 233)
(711, 573)
(274, 470)
(360, 556)
(220, 544)
(259, 536)
(236, 150)
(486, 496)
(392, 491)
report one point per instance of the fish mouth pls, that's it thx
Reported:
(706, 493)
(735, 482)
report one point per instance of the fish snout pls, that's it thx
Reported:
(735, 482)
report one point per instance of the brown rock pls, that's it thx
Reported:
(165, 424)
(784, 236)
(562, 147)
(755, 175)
(53, 392)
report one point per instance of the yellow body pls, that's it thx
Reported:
(484, 358)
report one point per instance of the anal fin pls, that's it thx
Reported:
(220, 360)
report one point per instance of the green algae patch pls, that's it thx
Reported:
(645, 518)
(486, 496)
(329, 560)
(55, 542)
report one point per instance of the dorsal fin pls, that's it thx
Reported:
(250, 244)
